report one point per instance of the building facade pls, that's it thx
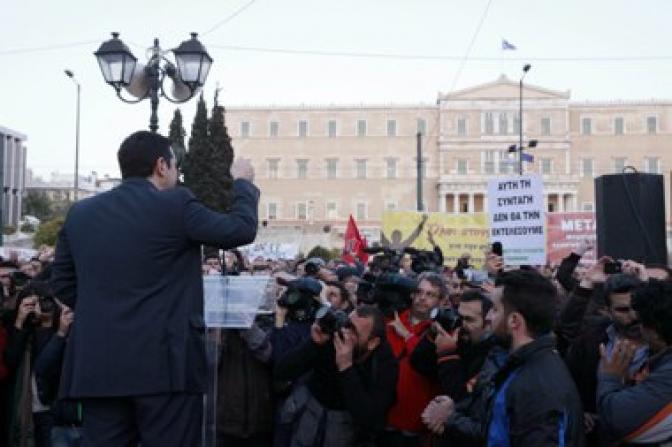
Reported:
(13, 156)
(317, 165)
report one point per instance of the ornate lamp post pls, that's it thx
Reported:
(121, 70)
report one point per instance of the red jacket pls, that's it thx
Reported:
(414, 391)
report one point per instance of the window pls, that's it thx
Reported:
(332, 164)
(421, 126)
(503, 124)
(462, 167)
(652, 124)
(272, 211)
(545, 126)
(551, 207)
(361, 128)
(303, 128)
(619, 165)
(391, 168)
(489, 127)
(586, 126)
(464, 207)
(301, 211)
(390, 205)
(360, 168)
(587, 167)
(506, 162)
(245, 129)
(331, 128)
(391, 128)
(489, 162)
(301, 168)
(273, 167)
(546, 166)
(618, 126)
(361, 211)
(273, 129)
(652, 165)
(587, 206)
(462, 127)
(332, 212)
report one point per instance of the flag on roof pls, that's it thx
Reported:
(506, 45)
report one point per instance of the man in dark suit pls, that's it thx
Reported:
(128, 262)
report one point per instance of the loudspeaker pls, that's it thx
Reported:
(630, 213)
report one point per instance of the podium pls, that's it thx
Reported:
(230, 302)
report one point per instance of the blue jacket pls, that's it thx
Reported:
(129, 262)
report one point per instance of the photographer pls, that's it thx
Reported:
(33, 327)
(414, 391)
(352, 382)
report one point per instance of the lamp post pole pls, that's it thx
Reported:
(71, 75)
(526, 68)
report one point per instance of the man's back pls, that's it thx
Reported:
(133, 255)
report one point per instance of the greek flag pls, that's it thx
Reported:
(528, 157)
(506, 45)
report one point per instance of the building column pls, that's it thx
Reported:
(471, 203)
(485, 202)
(442, 202)
(574, 202)
(456, 203)
(561, 202)
(545, 203)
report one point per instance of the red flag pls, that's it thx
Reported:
(354, 244)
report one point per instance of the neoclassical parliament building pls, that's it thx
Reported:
(316, 165)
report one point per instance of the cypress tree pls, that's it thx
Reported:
(176, 135)
(221, 158)
(196, 169)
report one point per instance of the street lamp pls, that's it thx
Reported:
(522, 156)
(526, 68)
(122, 70)
(71, 75)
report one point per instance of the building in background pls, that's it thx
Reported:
(316, 165)
(59, 188)
(12, 176)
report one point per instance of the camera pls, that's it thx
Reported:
(612, 268)
(424, 260)
(447, 317)
(20, 279)
(331, 321)
(387, 261)
(391, 292)
(299, 298)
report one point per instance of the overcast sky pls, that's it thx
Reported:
(37, 99)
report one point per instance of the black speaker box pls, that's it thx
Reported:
(630, 213)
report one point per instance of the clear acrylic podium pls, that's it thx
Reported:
(230, 302)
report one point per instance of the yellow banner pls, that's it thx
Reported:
(456, 234)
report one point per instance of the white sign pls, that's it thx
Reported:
(270, 250)
(517, 218)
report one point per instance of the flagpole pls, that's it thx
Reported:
(526, 68)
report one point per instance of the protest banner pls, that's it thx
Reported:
(455, 234)
(517, 218)
(564, 233)
(23, 254)
(270, 250)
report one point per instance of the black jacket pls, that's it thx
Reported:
(542, 407)
(129, 262)
(366, 390)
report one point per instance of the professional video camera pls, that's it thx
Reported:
(331, 321)
(387, 261)
(299, 298)
(447, 317)
(391, 292)
(424, 260)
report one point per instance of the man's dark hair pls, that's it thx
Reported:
(476, 295)
(371, 311)
(9, 265)
(531, 295)
(436, 280)
(619, 283)
(345, 295)
(139, 152)
(653, 304)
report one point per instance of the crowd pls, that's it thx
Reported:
(401, 351)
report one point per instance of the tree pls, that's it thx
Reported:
(320, 252)
(176, 135)
(196, 169)
(37, 204)
(47, 234)
(221, 153)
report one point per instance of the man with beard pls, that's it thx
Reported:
(351, 386)
(534, 401)
(640, 413)
(583, 355)
(414, 391)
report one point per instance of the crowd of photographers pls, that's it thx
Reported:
(400, 351)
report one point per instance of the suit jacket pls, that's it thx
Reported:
(129, 262)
